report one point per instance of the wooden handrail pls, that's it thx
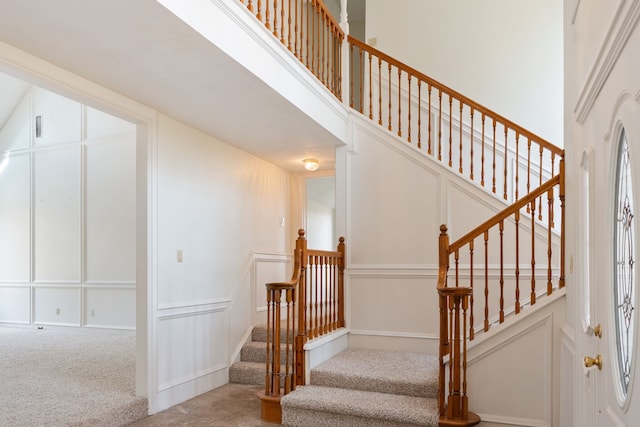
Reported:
(505, 213)
(314, 306)
(449, 127)
(455, 94)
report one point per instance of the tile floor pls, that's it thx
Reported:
(232, 405)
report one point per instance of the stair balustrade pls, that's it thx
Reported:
(486, 148)
(475, 142)
(456, 299)
(309, 31)
(308, 306)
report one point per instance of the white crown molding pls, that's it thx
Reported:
(624, 22)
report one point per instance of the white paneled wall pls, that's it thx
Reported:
(67, 215)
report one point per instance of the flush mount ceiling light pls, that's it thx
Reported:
(311, 164)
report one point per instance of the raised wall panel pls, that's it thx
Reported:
(14, 134)
(57, 305)
(57, 210)
(269, 268)
(14, 304)
(395, 209)
(103, 125)
(202, 335)
(110, 307)
(14, 220)
(518, 361)
(393, 304)
(110, 211)
(60, 118)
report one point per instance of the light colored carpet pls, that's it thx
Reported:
(76, 377)
(411, 374)
(367, 388)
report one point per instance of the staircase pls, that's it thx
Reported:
(367, 388)
(356, 388)
(253, 356)
(486, 275)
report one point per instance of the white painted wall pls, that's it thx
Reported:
(221, 207)
(67, 253)
(484, 50)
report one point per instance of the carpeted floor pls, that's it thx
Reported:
(59, 376)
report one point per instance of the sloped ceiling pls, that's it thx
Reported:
(140, 49)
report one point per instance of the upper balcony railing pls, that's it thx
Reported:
(309, 31)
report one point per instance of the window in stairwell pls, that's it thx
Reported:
(624, 283)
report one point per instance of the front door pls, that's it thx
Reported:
(610, 321)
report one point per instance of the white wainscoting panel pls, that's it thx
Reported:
(390, 310)
(57, 305)
(57, 220)
(269, 268)
(110, 237)
(110, 307)
(191, 353)
(15, 224)
(516, 366)
(14, 304)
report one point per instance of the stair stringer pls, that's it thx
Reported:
(391, 201)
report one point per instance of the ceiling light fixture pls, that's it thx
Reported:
(311, 164)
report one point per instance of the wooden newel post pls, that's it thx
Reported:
(443, 267)
(453, 303)
(301, 337)
(341, 267)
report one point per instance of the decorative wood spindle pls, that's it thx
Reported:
(486, 280)
(501, 271)
(460, 133)
(419, 114)
(506, 152)
(471, 298)
(493, 187)
(533, 252)
(517, 225)
(409, 109)
(549, 240)
(471, 145)
(450, 129)
(399, 101)
(482, 160)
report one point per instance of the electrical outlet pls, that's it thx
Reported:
(179, 255)
(282, 222)
(57, 311)
(93, 312)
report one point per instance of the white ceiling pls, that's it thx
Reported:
(139, 49)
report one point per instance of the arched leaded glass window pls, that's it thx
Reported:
(624, 285)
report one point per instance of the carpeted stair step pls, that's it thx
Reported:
(249, 373)
(328, 407)
(256, 351)
(391, 372)
(259, 333)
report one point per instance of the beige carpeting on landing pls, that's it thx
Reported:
(59, 376)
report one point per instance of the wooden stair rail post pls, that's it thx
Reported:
(278, 383)
(301, 337)
(453, 305)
